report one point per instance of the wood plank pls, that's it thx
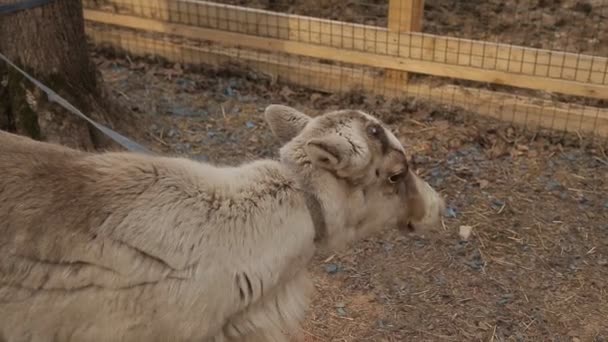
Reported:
(403, 16)
(377, 40)
(525, 111)
(416, 25)
(351, 56)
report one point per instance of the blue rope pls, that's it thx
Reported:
(54, 97)
(22, 5)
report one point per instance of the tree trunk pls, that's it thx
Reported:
(49, 42)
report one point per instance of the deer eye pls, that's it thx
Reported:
(374, 130)
(396, 177)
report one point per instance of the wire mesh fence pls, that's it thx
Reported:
(541, 64)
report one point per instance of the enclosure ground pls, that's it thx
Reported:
(535, 267)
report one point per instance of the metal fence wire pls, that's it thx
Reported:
(542, 64)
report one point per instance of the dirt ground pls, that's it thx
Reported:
(534, 269)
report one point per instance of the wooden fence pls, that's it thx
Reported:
(335, 56)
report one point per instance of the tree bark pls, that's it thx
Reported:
(49, 42)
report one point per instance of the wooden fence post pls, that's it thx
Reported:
(403, 16)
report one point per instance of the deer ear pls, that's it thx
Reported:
(330, 152)
(285, 122)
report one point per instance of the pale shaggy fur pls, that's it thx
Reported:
(128, 247)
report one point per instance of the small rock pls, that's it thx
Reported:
(249, 124)
(252, 76)
(465, 232)
(440, 280)
(436, 172)
(451, 160)
(570, 156)
(228, 91)
(548, 20)
(553, 185)
(436, 182)
(483, 184)
(182, 111)
(188, 86)
(498, 203)
(436, 177)
(476, 262)
(201, 158)
(247, 98)
(331, 268)
(450, 212)
(116, 67)
(460, 247)
(506, 298)
(419, 243)
(182, 148)
(172, 132)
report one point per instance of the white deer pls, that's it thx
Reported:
(118, 246)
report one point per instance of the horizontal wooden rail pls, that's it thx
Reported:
(377, 40)
(526, 111)
(352, 56)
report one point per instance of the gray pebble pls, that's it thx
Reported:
(331, 268)
(450, 212)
